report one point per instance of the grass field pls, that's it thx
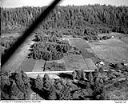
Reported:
(73, 62)
(111, 50)
(114, 42)
(86, 50)
(27, 65)
(31, 65)
(83, 46)
(80, 43)
(90, 64)
(38, 67)
(125, 39)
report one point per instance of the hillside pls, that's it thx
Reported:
(75, 20)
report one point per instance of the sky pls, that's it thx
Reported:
(20, 3)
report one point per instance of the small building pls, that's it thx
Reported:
(100, 64)
(126, 64)
(112, 37)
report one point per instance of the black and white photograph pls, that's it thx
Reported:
(64, 50)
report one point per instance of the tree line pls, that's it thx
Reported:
(17, 86)
(79, 85)
(101, 18)
(48, 48)
(6, 43)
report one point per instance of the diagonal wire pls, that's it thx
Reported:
(6, 57)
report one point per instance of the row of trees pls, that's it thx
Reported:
(6, 43)
(15, 86)
(80, 85)
(99, 17)
(42, 38)
(48, 51)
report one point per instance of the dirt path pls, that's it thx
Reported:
(19, 56)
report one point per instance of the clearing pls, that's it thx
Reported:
(111, 50)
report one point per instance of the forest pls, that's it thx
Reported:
(79, 85)
(85, 20)
(6, 43)
(48, 48)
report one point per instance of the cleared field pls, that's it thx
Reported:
(73, 62)
(80, 43)
(114, 43)
(27, 65)
(83, 46)
(90, 64)
(86, 51)
(38, 67)
(112, 50)
(125, 39)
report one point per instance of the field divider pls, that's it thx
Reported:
(55, 72)
(52, 74)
